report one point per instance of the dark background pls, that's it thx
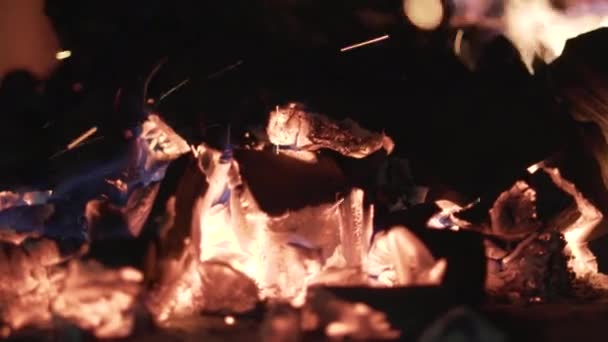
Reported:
(465, 131)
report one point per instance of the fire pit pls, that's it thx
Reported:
(441, 176)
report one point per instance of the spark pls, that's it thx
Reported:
(225, 70)
(63, 54)
(533, 168)
(367, 42)
(170, 91)
(229, 320)
(151, 75)
(117, 98)
(458, 42)
(82, 138)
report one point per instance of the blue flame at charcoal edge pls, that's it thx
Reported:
(446, 221)
(226, 157)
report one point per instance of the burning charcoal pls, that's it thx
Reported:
(282, 245)
(21, 222)
(556, 205)
(159, 145)
(462, 324)
(445, 219)
(395, 181)
(226, 290)
(537, 269)
(244, 230)
(513, 215)
(99, 300)
(210, 286)
(282, 323)
(355, 228)
(23, 214)
(38, 289)
(342, 319)
(273, 224)
(293, 126)
(397, 257)
(527, 234)
(130, 196)
(9, 199)
(132, 215)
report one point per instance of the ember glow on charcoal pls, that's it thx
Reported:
(36, 289)
(340, 319)
(304, 131)
(240, 252)
(534, 245)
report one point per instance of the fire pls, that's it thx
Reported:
(272, 256)
(583, 262)
(536, 27)
(237, 253)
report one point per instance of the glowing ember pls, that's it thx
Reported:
(399, 258)
(340, 319)
(36, 291)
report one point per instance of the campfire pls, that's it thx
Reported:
(308, 224)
